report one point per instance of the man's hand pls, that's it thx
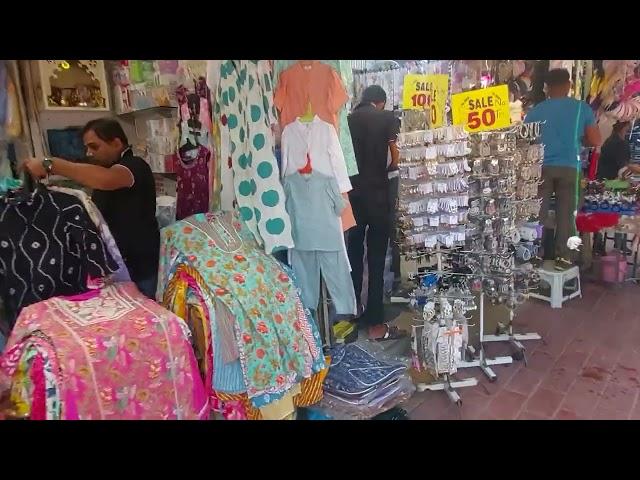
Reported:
(35, 168)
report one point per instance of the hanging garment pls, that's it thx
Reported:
(245, 107)
(319, 194)
(318, 84)
(3, 95)
(120, 355)
(122, 275)
(343, 68)
(192, 187)
(318, 142)
(13, 122)
(48, 247)
(277, 348)
(195, 115)
(319, 240)
(333, 266)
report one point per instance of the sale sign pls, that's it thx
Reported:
(482, 110)
(426, 92)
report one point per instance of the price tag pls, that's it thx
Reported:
(426, 92)
(482, 110)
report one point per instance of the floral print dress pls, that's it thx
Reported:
(277, 346)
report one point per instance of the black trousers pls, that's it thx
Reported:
(372, 218)
(394, 185)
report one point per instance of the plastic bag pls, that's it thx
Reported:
(166, 210)
(390, 393)
(13, 127)
(402, 390)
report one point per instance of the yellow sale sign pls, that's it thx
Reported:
(426, 92)
(482, 110)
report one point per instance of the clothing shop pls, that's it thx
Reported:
(331, 239)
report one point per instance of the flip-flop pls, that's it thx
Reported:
(392, 333)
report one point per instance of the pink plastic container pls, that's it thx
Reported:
(614, 268)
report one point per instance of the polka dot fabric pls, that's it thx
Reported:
(246, 113)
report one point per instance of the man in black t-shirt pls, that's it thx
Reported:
(616, 153)
(124, 192)
(374, 132)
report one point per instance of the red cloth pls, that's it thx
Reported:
(593, 165)
(594, 222)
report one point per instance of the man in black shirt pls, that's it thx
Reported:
(614, 156)
(616, 153)
(374, 132)
(124, 192)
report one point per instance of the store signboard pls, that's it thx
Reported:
(482, 110)
(426, 92)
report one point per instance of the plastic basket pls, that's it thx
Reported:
(613, 268)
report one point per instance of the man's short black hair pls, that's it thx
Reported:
(106, 129)
(557, 77)
(374, 94)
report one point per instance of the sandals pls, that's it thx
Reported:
(392, 333)
(563, 264)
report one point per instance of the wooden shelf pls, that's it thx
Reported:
(159, 109)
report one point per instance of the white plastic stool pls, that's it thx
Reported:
(557, 281)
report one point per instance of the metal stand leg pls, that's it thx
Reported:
(323, 314)
(449, 387)
(513, 338)
(481, 361)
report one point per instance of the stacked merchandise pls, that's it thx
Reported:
(49, 246)
(109, 354)
(634, 142)
(360, 386)
(611, 196)
(258, 350)
(387, 74)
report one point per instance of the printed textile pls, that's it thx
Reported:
(120, 355)
(48, 246)
(278, 347)
(244, 104)
(122, 275)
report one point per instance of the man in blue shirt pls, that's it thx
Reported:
(567, 124)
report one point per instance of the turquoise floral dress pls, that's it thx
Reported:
(273, 338)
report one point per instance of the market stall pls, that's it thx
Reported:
(254, 161)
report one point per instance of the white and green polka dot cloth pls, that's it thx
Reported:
(245, 108)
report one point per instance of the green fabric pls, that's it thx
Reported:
(343, 67)
(616, 184)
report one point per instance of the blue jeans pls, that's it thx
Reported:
(148, 286)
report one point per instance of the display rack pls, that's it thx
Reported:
(488, 247)
(445, 382)
(433, 211)
(506, 173)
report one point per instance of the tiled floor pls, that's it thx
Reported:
(586, 367)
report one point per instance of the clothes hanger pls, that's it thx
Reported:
(308, 115)
(306, 170)
(306, 64)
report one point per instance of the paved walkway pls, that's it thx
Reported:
(586, 367)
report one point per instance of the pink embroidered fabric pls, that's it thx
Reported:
(121, 356)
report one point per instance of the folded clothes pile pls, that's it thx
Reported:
(359, 385)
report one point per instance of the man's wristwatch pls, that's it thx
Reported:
(47, 163)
